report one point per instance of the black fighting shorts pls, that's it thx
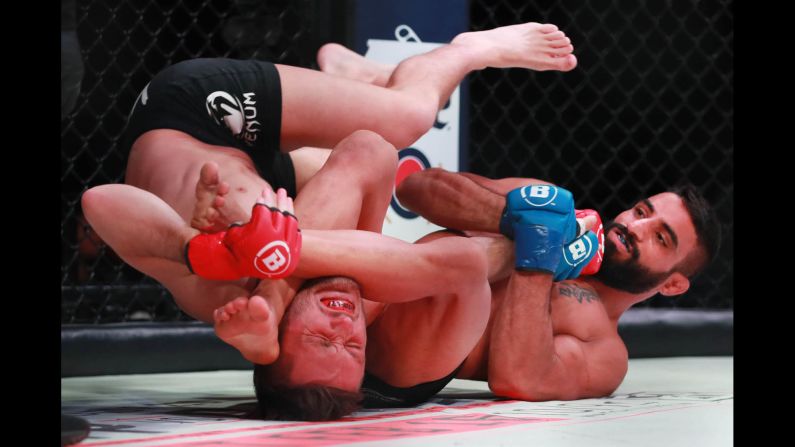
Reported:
(224, 102)
(379, 394)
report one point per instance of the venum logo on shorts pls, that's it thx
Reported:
(238, 117)
(273, 259)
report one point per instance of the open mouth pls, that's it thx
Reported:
(339, 304)
(622, 238)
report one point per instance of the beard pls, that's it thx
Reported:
(627, 275)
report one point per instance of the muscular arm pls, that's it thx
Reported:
(390, 270)
(528, 362)
(462, 201)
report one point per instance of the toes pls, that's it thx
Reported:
(218, 202)
(556, 35)
(548, 28)
(562, 50)
(560, 42)
(220, 315)
(567, 63)
(223, 188)
(230, 308)
(559, 62)
(209, 173)
(258, 308)
(240, 303)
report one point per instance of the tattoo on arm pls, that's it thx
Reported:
(577, 292)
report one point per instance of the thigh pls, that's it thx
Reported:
(167, 163)
(307, 161)
(320, 110)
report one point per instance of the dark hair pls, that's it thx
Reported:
(707, 226)
(305, 403)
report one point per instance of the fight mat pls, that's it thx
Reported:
(662, 402)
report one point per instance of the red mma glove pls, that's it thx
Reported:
(598, 228)
(267, 247)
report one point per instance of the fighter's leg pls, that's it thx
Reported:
(319, 110)
(353, 188)
(337, 60)
(150, 236)
(424, 340)
(168, 163)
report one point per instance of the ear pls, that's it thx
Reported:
(676, 284)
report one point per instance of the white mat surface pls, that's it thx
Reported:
(662, 402)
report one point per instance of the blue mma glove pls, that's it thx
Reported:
(543, 221)
(576, 255)
(526, 201)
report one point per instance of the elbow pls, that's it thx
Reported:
(511, 389)
(533, 390)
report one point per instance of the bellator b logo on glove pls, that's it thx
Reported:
(267, 247)
(274, 258)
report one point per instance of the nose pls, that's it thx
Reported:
(342, 325)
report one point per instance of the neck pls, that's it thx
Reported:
(616, 301)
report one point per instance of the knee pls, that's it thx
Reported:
(98, 203)
(376, 157)
(413, 122)
(91, 200)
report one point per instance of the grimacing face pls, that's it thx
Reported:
(645, 243)
(323, 336)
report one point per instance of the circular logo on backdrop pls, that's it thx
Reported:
(227, 109)
(410, 160)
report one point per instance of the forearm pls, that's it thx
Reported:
(452, 200)
(522, 341)
(388, 269)
(140, 227)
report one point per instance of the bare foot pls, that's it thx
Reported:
(248, 325)
(337, 60)
(529, 45)
(213, 212)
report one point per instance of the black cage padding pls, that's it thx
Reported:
(141, 348)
